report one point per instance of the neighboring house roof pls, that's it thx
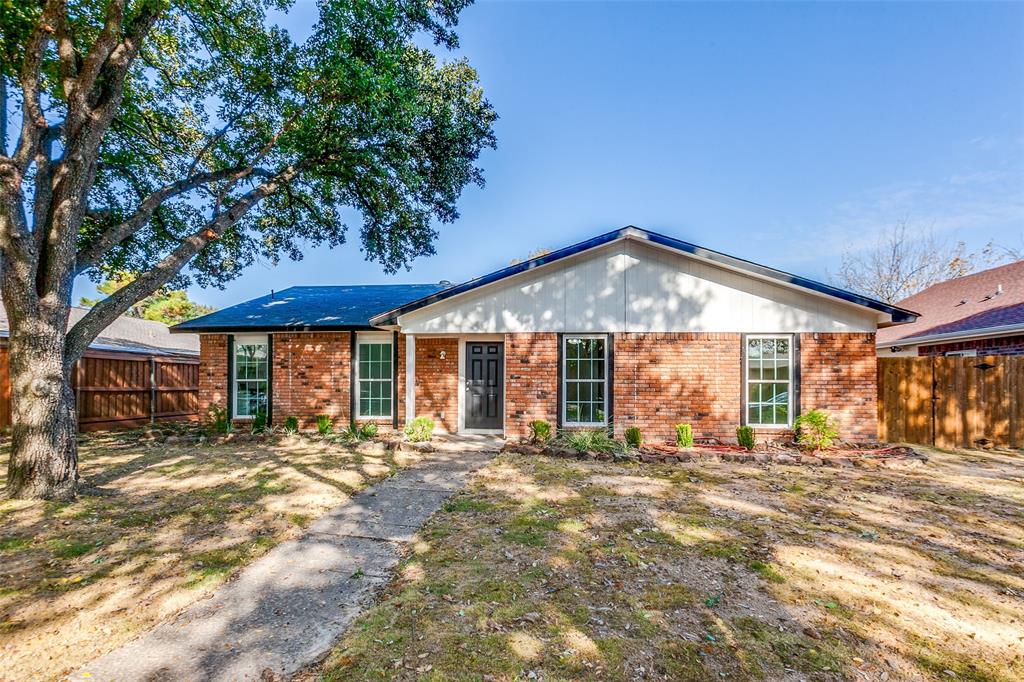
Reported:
(897, 314)
(302, 308)
(987, 303)
(128, 335)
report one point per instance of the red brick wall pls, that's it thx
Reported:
(1007, 345)
(213, 373)
(661, 379)
(664, 379)
(838, 374)
(311, 377)
(437, 382)
(531, 381)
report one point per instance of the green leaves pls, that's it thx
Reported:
(379, 124)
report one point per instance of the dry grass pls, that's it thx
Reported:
(574, 570)
(158, 528)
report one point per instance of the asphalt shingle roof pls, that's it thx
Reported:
(327, 307)
(127, 335)
(964, 305)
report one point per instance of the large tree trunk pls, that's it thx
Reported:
(44, 436)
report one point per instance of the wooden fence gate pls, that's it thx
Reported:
(952, 402)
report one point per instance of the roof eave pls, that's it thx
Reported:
(981, 333)
(255, 329)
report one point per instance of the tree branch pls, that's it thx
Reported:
(106, 311)
(43, 189)
(32, 121)
(89, 256)
(68, 56)
(98, 54)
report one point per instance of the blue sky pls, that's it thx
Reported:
(781, 133)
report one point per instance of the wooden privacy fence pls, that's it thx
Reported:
(124, 390)
(952, 401)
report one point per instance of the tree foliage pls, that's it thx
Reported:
(208, 137)
(181, 140)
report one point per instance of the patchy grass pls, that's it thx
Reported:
(595, 571)
(155, 529)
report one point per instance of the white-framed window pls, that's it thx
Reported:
(584, 380)
(251, 369)
(769, 380)
(374, 376)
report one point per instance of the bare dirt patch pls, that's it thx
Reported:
(157, 528)
(558, 569)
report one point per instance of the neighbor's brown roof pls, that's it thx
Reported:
(964, 305)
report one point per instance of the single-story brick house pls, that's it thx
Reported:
(979, 314)
(630, 328)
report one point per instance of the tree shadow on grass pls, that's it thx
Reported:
(590, 574)
(183, 518)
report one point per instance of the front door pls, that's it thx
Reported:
(485, 384)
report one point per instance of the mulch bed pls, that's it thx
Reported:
(868, 456)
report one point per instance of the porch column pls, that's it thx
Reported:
(410, 378)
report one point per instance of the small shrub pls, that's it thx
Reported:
(634, 437)
(218, 419)
(419, 430)
(367, 431)
(291, 424)
(348, 435)
(592, 440)
(324, 424)
(259, 422)
(540, 431)
(745, 436)
(684, 435)
(816, 430)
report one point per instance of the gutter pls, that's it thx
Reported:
(256, 329)
(982, 333)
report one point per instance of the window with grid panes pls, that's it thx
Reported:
(250, 378)
(584, 380)
(374, 378)
(769, 379)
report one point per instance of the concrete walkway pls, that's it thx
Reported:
(286, 610)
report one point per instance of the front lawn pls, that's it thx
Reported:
(557, 569)
(158, 528)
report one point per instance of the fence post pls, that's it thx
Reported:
(152, 389)
(78, 391)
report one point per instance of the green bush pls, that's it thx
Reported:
(419, 430)
(540, 431)
(684, 435)
(324, 424)
(816, 430)
(367, 431)
(634, 437)
(589, 440)
(745, 436)
(291, 424)
(218, 420)
(259, 422)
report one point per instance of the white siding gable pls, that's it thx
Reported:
(630, 285)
